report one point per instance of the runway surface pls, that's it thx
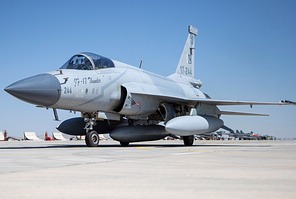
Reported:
(161, 169)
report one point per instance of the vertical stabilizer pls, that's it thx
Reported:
(186, 63)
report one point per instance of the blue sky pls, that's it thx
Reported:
(246, 50)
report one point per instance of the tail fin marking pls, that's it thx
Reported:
(186, 63)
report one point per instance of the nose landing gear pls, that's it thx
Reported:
(91, 136)
(92, 139)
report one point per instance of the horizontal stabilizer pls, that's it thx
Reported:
(242, 113)
(227, 129)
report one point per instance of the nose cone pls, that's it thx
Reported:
(44, 90)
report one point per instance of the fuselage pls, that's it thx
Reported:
(127, 102)
(101, 90)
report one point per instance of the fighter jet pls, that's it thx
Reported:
(127, 102)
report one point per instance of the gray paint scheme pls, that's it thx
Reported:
(92, 83)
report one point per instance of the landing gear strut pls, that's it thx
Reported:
(188, 140)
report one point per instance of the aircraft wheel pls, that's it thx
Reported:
(124, 144)
(188, 140)
(92, 139)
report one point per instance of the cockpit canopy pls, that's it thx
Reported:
(88, 61)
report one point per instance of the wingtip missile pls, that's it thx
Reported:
(287, 102)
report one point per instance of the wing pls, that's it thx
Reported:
(241, 113)
(212, 102)
(233, 102)
(171, 95)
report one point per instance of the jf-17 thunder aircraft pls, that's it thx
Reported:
(126, 102)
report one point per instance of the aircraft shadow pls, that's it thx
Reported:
(134, 145)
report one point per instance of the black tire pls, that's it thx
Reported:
(92, 139)
(124, 144)
(188, 140)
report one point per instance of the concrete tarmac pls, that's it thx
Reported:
(160, 169)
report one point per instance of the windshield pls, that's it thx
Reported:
(88, 61)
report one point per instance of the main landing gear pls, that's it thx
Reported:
(124, 144)
(188, 140)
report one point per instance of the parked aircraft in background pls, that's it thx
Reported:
(127, 102)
